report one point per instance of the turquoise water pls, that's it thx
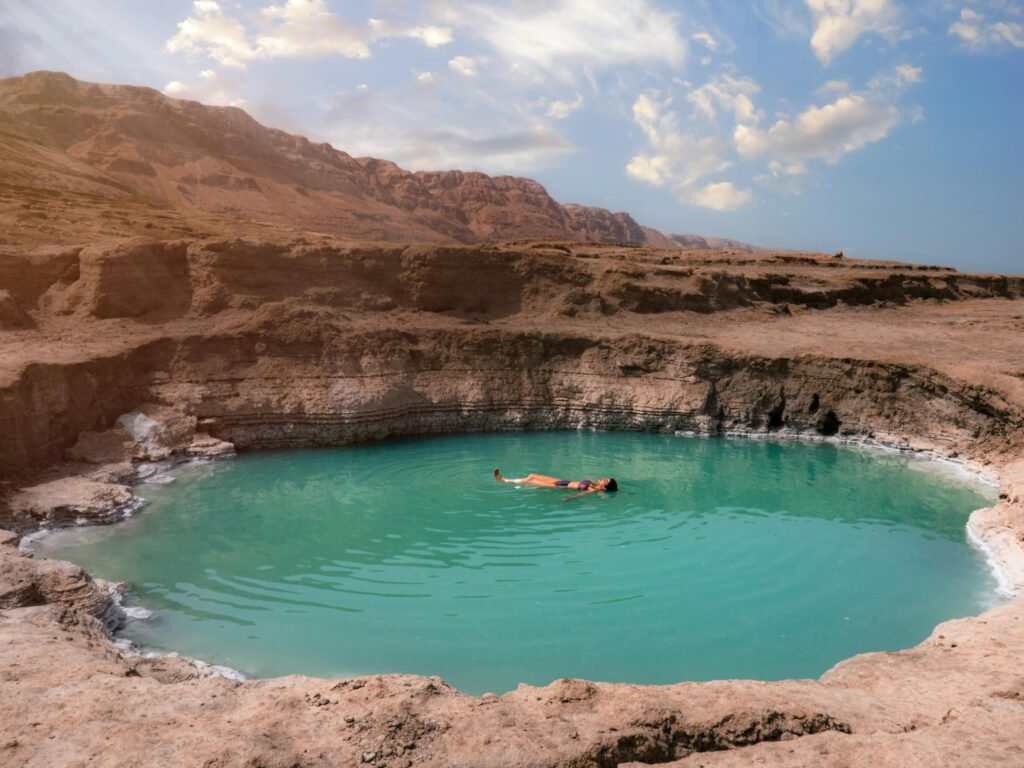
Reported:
(717, 559)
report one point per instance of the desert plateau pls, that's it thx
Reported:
(181, 284)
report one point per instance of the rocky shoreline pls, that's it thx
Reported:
(997, 532)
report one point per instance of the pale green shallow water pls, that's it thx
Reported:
(717, 559)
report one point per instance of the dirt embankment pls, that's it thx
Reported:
(140, 349)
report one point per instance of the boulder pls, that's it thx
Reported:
(128, 278)
(27, 581)
(208, 447)
(71, 499)
(158, 431)
(110, 447)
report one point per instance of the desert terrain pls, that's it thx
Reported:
(178, 281)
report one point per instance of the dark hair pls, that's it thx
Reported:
(612, 485)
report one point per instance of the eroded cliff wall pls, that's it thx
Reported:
(287, 344)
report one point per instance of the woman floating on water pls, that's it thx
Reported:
(544, 481)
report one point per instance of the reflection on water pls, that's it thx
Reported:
(716, 559)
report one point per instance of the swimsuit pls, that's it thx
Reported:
(584, 484)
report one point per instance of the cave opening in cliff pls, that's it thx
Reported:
(716, 559)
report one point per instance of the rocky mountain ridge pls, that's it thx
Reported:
(64, 138)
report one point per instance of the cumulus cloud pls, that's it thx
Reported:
(307, 29)
(833, 130)
(723, 196)
(834, 86)
(566, 37)
(654, 169)
(899, 79)
(978, 34)
(729, 93)
(464, 65)
(706, 40)
(288, 29)
(211, 88)
(682, 157)
(676, 158)
(562, 109)
(684, 149)
(209, 31)
(839, 23)
(822, 133)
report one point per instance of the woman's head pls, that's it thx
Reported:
(608, 484)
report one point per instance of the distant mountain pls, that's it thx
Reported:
(699, 242)
(64, 137)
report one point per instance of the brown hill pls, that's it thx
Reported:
(86, 159)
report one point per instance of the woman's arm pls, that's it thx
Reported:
(581, 493)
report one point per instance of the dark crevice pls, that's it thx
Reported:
(667, 740)
(829, 423)
(711, 405)
(776, 416)
(815, 403)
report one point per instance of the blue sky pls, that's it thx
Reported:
(883, 128)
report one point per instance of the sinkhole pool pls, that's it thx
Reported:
(716, 559)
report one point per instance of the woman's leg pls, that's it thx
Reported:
(499, 478)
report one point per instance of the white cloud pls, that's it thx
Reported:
(723, 196)
(706, 40)
(901, 77)
(838, 24)
(976, 34)
(567, 37)
(683, 149)
(682, 158)
(410, 125)
(829, 132)
(307, 29)
(834, 86)
(652, 169)
(1011, 33)
(787, 18)
(464, 65)
(209, 31)
(560, 110)
(288, 29)
(822, 133)
(425, 77)
(431, 36)
(729, 93)
(516, 151)
(798, 168)
(211, 89)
